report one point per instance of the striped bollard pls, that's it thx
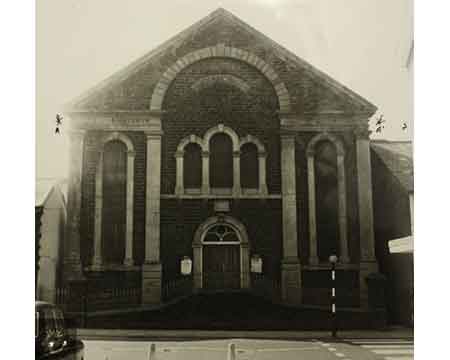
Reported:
(333, 260)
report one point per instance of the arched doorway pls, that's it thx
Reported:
(221, 255)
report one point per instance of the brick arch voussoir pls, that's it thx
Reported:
(334, 139)
(220, 50)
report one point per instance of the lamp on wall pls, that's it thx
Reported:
(186, 266)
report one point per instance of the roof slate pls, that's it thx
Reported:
(398, 157)
(219, 14)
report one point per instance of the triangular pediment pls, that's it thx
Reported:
(310, 90)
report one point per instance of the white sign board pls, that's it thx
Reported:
(186, 266)
(256, 264)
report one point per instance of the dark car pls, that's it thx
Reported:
(52, 338)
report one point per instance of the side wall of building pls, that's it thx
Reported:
(392, 219)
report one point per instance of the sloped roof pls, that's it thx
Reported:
(398, 158)
(45, 186)
(220, 13)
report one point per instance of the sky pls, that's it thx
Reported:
(363, 44)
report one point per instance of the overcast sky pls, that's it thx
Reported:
(363, 44)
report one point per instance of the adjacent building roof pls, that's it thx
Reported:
(45, 186)
(398, 158)
(403, 245)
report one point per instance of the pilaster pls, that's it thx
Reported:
(365, 207)
(130, 209)
(236, 173)
(205, 172)
(179, 186)
(197, 266)
(72, 269)
(262, 172)
(97, 256)
(290, 268)
(151, 269)
(313, 258)
(342, 203)
(368, 263)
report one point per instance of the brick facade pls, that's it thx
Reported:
(222, 73)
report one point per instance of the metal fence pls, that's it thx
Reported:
(176, 288)
(88, 298)
(266, 287)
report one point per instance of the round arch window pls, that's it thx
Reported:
(221, 233)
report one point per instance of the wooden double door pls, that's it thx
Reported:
(221, 267)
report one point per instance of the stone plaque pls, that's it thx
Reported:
(222, 206)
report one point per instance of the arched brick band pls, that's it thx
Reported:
(220, 50)
(232, 80)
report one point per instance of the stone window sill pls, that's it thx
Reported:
(112, 267)
(327, 266)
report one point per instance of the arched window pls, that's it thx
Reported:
(326, 186)
(221, 233)
(192, 166)
(249, 166)
(114, 202)
(221, 161)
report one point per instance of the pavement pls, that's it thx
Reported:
(184, 335)
(248, 349)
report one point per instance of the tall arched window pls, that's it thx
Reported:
(326, 186)
(221, 161)
(114, 202)
(192, 166)
(249, 166)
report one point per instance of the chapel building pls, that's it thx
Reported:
(221, 147)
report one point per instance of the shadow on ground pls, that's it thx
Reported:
(224, 311)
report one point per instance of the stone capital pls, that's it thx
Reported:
(362, 133)
(77, 134)
(153, 134)
(287, 135)
(179, 154)
(262, 154)
(310, 152)
(205, 154)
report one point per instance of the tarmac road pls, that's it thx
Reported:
(248, 349)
